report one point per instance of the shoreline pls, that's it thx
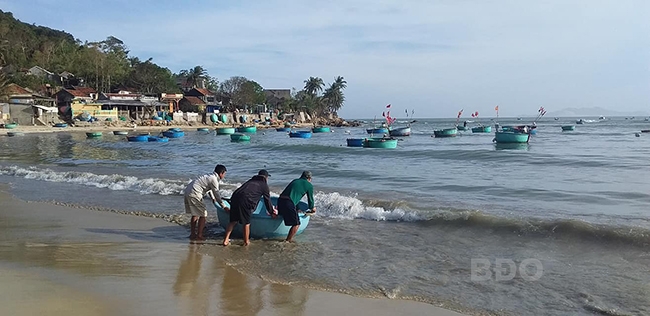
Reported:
(104, 263)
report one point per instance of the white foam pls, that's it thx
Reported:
(335, 205)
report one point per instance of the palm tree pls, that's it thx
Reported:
(313, 85)
(333, 98)
(195, 75)
(340, 83)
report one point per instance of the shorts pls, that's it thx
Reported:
(195, 206)
(288, 211)
(240, 215)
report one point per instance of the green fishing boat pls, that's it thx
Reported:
(238, 138)
(94, 134)
(376, 142)
(225, 130)
(447, 132)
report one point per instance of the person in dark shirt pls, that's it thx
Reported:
(290, 197)
(244, 201)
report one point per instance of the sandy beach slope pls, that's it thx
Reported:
(57, 260)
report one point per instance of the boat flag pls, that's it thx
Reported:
(459, 113)
(388, 106)
(496, 108)
(476, 113)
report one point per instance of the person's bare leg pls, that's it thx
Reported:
(193, 221)
(247, 231)
(199, 234)
(226, 239)
(292, 232)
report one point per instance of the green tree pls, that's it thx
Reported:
(150, 78)
(194, 76)
(313, 85)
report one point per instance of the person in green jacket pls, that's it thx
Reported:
(290, 197)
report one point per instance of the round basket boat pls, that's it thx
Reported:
(120, 133)
(11, 125)
(11, 134)
(94, 134)
(60, 125)
(173, 134)
(225, 130)
(321, 129)
(157, 139)
(138, 138)
(202, 129)
(238, 137)
(247, 129)
(300, 134)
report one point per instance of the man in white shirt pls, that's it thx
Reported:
(193, 196)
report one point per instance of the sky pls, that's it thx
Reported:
(431, 57)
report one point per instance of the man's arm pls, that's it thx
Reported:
(310, 197)
(267, 200)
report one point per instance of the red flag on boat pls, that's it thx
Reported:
(388, 106)
(459, 113)
(472, 114)
(476, 113)
(383, 114)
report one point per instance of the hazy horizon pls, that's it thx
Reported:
(432, 57)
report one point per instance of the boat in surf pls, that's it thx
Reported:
(262, 224)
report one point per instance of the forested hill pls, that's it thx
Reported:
(103, 65)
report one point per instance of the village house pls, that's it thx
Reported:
(43, 73)
(26, 107)
(172, 100)
(132, 105)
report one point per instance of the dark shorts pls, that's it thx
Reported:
(288, 211)
(240, 214)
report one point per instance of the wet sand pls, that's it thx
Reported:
(56, 260)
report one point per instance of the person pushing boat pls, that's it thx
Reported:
(193, 198)
(290, 197)
(244, 201)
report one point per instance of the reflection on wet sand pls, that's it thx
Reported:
(288, 300)
(240, 295)
(190, 286)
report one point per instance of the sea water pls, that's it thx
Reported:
(440, 220)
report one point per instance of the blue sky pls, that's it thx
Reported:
(434, 57)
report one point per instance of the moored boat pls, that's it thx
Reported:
(568, 127)
(12, 134)
(94, 134)
(138, 138)
(239, 137)
(173, 134)
(400, 131)
(355, 142)
(11, 125)
(509, 137)
(380, 142)
(462, 128)
(300, 134)
(283, 129)
(202, 129)
(482, 129)
(247, 129)
(225, 130)
(321, 129)
(157, 139)
(377, 130)
(120, 133)
(60, 125)
(447, 132)
(262, 224)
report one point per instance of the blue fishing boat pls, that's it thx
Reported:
(400, 131)
(138, 138)
(568, 128)
(247, 129)
(174, 129)
(239, 137)
(60, 125)
(300, 134)
(377, 130)
(173, 134)
(262, 224)
(157, 139)
(283, 129)
(511, 137)
(383, 142)
(225, 130)
(355, 142)
(321, 129)
(447, 132)
(482, 129)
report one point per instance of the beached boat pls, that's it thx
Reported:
(377, 130)
(239, 137)
(262, 224)
(283, 129)
(12, 134)
(247, 129)
(300, 134)
(400, 131)
(11, 125)
(173, 134)
(225, 130)
(202, 129)
(138, 138)
(380, 142)
(355, 142)
(94, 134)
(121, 133)
(568, 128)
(511, 137)
(447, 132)
(321, 129)
(60, 125)
(157, 139)
(482, 129)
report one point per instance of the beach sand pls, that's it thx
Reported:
(57, 260)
